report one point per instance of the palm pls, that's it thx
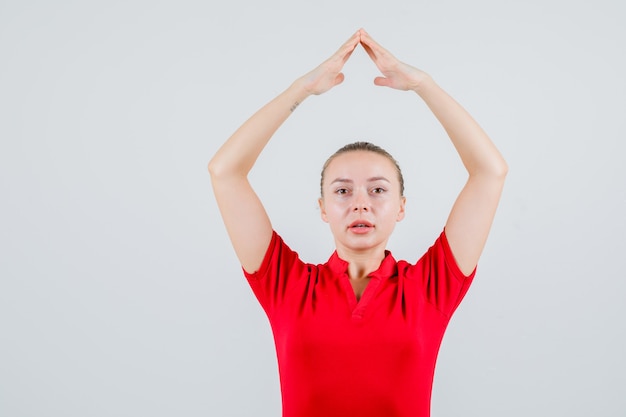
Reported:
(324, 77)
(328, 74)
(397, 74)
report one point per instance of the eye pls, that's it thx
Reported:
(341, 191)
(378, 190)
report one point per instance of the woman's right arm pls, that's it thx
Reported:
(247, 223)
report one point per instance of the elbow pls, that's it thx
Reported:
(499, 171)
(496, 169)
(216, 169)
(220, 169)
(218, 165)
(213, 167)
(502, 169)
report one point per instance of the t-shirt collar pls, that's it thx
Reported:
(386, 269)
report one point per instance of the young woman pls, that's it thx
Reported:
(359, 335)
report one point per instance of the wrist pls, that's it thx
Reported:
(299, 90)
(294, 95)
(425, 85)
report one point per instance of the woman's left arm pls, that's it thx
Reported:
(473, 211)
(472, 214)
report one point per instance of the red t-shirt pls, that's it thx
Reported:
(373, 358)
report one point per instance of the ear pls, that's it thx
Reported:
(320, 201)
(401, 212)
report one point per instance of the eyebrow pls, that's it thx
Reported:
(349, 181)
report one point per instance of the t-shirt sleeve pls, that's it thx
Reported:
(443, 282)
(279, 272)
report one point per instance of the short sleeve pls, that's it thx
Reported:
(443, 282)
(280, 270)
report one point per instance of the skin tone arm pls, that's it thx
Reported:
(246, 220)
(472, 214)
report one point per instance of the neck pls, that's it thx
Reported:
(361, 263)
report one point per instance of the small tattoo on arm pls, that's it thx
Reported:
(293, 107)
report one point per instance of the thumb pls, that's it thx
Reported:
(382, 81)
(339, 78)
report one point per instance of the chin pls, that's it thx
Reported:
(363, 242)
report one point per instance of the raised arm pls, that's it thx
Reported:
(246, 221)
(472, 214)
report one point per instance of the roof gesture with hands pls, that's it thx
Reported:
(470, 219)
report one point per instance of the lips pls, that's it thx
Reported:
(361, 224)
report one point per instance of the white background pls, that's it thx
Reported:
(119, 292)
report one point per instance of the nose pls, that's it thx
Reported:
(360, 202)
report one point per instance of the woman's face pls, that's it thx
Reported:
(361, 200)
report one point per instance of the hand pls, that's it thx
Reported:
(328, 74)
(397, 74)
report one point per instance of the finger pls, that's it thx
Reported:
(368, 43)
(347, 56)
(382, 81)
(349, 45)
(374, 46)
(369, 51)
(344, 53)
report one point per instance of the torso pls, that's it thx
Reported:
(365, 346)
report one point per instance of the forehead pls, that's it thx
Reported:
(360, 164)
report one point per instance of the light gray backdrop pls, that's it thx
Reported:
(119, 292)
